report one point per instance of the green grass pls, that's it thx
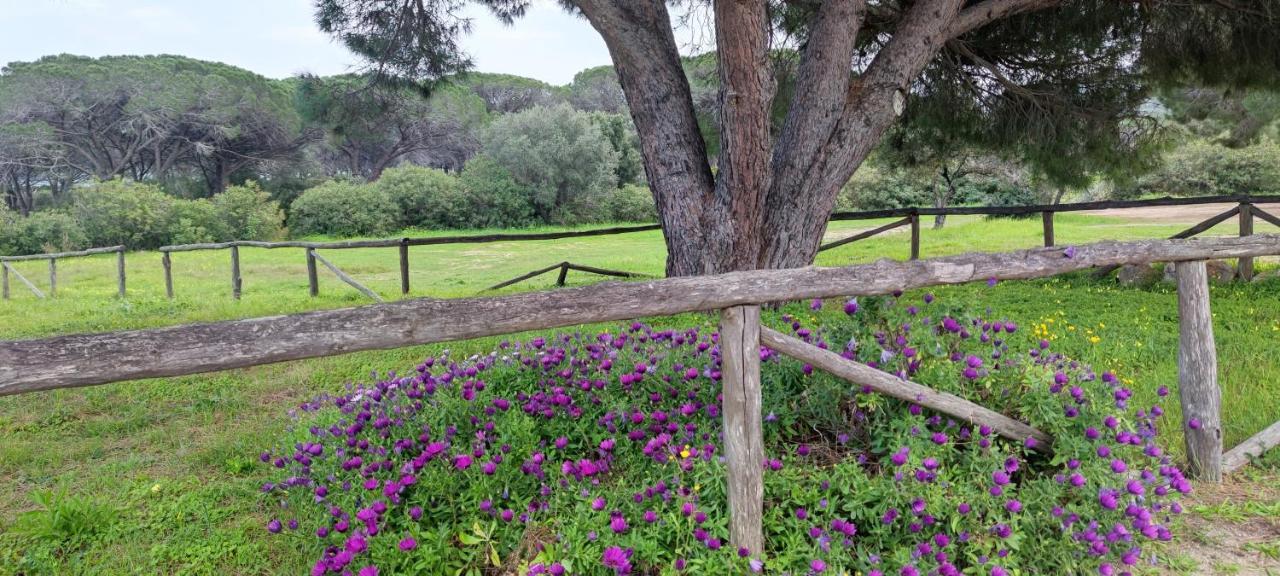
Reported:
(171, 461)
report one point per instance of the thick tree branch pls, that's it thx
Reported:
(983, 13)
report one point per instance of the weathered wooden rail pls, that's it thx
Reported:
(91, 359)
(6, 269)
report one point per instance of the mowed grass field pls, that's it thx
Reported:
(161, 476)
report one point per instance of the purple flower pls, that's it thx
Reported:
(462, 462)
(618, 524)
(851, 307)
(1070, 252)
(273, 526)
(617, 559)
(817, 566)
(408, 543)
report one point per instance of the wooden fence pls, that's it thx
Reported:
(1245, 208)
(91, 359)
(6, 270)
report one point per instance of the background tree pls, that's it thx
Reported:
(559, 155)
(372, 127)
(506, 93)
(860, 67)
(597, 90)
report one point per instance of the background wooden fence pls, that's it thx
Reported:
(90, 359)
(1245, 208)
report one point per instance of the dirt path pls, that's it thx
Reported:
(1230, 528)
(1178, 214)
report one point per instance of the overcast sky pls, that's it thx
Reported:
(275, 38)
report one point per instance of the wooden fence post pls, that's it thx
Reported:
(1198, 373)
(743, 435)
(915, 235)
(1047, 217)
(564, 274)
(1246, 229)
(120, 276)
(53, 277)
(167, 260)
(313, 279)
(4, 281)
(235, 272)
(404, 266)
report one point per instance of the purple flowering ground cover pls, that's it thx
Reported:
(599, 453)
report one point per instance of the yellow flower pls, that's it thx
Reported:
(1094, 339)
(685, 452)
(155, 488)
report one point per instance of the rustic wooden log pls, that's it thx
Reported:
(865, 234)
(76, 360)
(24, 280)
(1047, 220)
(915, 235)
(53, 277)
(235, 272)
(404, 266)
(88, 252)
(4, 282)
(890, 385)
(120, 273)
(524, 277)
(166, 260)
(1255, 446)
(602, 271)
(1198, 373)
(1245, 265)
(1266, 216)
(742, 430)
(564, 274)
(313, 277)
(345, 278)
(1188, 233)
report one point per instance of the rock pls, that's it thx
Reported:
(1266, 276)
(1137, 275)
(1218, 270)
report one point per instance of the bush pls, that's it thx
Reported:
(1204, 169)
(197, 221)
(123, 212)
(601, 454)
(493, 198)
(631, 203)
(341, 208)
(41, 232)
(875, 188)
(248, 213)
(998, 193)
(426, 198)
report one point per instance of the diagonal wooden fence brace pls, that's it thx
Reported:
(1266, 216)
(345, 278)
(1183, 235)
(24, 280)
(1238, 457)
(891, 385)
(524, 277)
(865, 234)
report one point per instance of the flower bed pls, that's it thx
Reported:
(600, 454)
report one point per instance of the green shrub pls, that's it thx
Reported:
(39, 233)
(875, 188)
(69, 521)
(248, 213)
(342, 208)
(121, 212)
(426, 198)
(631, 203)
(196, 221)
(494, 198)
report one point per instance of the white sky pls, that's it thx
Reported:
(276, 38)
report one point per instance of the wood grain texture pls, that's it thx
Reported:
(1198, 374)
(53, 277)
(4, 282)
(404, 266)
(166, 260)
(1246, 229)
(121, 277)
(890, 385)
(1046, 218)
(743, 432)
(313, 276)
(78, 360)
(235, 272)
(1238, 457)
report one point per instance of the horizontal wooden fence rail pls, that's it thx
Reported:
(1031, 209)
(84, 360)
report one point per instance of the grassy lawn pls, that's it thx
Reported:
(161, 477)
